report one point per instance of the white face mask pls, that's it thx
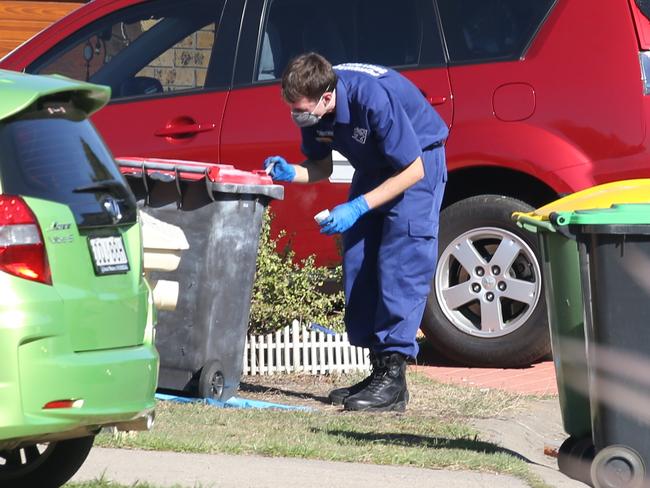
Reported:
(307, 119)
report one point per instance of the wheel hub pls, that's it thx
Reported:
(488, 282)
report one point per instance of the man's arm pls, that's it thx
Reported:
(396, 184)
(312, 170)
(343, 216)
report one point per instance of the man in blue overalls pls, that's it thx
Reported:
(394, 139)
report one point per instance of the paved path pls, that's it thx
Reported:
(225, 471)
(539, 379)
(528, 434)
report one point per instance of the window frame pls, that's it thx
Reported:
(222, 57)
(501, 59)
(252, 38)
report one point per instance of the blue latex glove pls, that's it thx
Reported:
(281, 170)
(344, 216)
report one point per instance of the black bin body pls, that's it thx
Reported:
(201, 343)
(615, 271)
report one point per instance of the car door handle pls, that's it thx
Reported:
(437, 100)
(185, 129)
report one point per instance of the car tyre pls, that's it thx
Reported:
(47, 465)
(479, 226)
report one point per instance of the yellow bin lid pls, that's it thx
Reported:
(601, 196)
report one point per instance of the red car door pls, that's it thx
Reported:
(257, 123)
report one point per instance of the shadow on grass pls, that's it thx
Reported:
(247, 387)
(412, 440)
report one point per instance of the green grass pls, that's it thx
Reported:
(103, 483)
(109, 484)
(451, 401)
(432, 434)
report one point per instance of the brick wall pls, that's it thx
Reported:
(185, 65)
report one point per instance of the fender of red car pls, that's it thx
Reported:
(520, 146)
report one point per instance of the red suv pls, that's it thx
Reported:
(542, 97)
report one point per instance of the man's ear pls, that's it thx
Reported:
(327, 97)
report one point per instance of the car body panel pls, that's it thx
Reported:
(43, 327)
(83, 337)
(156, 115)
(99, 312)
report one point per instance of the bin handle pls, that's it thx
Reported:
(207, 185)
(145, 182)
(557, 219)
(179, 191)
(560, 222)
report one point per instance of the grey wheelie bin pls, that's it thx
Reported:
(219, 209)
(564, 298)
(614, 250)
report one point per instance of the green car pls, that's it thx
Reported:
(76, 315)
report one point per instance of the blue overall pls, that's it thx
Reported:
(381, 124)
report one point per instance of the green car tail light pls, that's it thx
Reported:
(22, 251)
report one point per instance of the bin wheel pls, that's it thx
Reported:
(211, 381)
(575, 457)
(617, 467)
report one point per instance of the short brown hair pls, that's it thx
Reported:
(308, 75)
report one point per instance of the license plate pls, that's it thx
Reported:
(108, 255)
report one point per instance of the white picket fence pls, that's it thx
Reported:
(297, 349)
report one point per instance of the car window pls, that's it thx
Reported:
(370, 31)
(150, 49)
(482, 30)
(54, 153)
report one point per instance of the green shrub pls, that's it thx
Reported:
(285, 290)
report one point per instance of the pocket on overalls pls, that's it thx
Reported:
(418, 256)
(435, 168)
(423, 228)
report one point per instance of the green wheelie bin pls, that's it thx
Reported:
(564, 298)
(614, 254)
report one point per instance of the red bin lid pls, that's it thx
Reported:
(194, 170)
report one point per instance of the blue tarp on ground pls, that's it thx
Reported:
(234, 402)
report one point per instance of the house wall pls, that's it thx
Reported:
(20, 20)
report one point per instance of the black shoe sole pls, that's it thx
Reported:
(398, 406)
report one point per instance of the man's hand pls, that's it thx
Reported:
(344, 216)
(278, 168)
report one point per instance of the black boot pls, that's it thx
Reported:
(338, 396)
(386, 390)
